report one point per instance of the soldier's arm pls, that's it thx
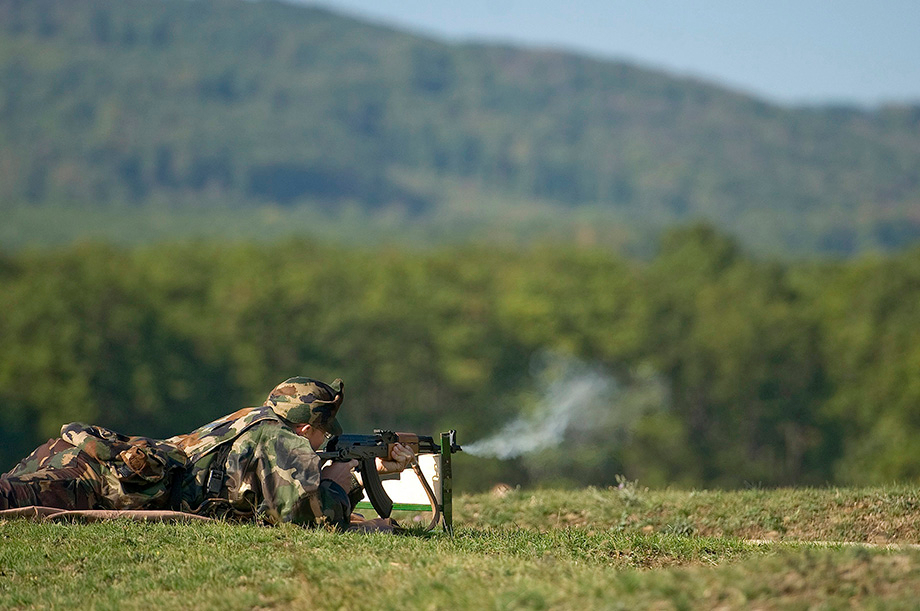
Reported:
(293, 488)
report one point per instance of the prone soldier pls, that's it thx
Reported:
(257, 463)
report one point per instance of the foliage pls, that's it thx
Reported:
(191, 109)
(723, 370)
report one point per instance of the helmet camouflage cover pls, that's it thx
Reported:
(306, 401)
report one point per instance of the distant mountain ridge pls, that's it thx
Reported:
(221, 104)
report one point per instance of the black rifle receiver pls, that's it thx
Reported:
(365, 448)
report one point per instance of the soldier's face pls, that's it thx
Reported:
(316, 436)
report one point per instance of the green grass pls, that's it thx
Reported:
(871, 515)
(519, 559)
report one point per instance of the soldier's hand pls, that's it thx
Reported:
(400, 457)
(339, 472)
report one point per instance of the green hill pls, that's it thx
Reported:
(134, 112)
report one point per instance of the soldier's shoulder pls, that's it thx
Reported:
(204, 439)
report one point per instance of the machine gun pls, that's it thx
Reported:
(366, 448)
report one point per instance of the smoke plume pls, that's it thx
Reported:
(573, 394)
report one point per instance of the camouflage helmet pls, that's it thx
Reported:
(306, 401)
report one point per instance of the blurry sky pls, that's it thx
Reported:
(788, 51)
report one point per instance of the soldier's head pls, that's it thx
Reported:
(309, 405)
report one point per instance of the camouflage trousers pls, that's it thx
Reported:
(56, 474)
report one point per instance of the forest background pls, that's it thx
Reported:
(471, 236)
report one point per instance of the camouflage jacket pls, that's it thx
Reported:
(270, 472)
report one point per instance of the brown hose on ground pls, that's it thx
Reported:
(94, 515)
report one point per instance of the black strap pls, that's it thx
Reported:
(213, 504)
(217, 472)
(175, 488)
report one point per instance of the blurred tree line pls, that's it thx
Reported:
(766, 373)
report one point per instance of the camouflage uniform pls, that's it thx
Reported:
(256, 465)
(90, 467)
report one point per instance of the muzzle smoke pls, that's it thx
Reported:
(574, 394)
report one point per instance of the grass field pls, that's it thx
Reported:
(618, 548)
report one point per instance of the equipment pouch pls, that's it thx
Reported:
(141, 465)
(137, 461)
